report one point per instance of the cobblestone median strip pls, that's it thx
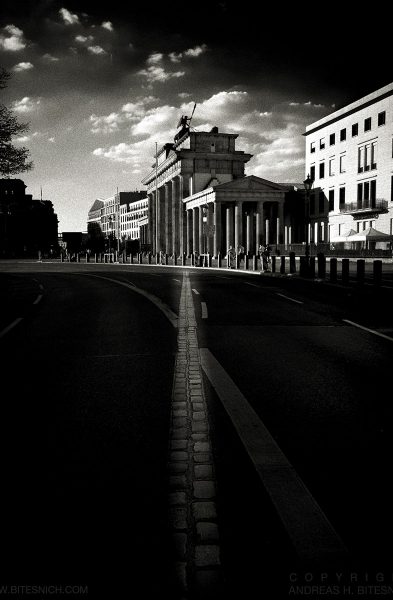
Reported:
(192, 487)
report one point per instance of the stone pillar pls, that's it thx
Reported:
(189, 214)
(201, 231)
(259, 237)
(184, 193)
(153, 229)
(209, 224)
(229, 225)
(175, 215)
(168, 219)
(238, 224)
(195, 229)
(267, 233)
(250, 223)
(217, 229)
(280, 223)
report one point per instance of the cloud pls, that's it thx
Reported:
(23, 66)
(12, 40)
(154, 73)
(83, 38)
(105, 124)
(190, 53)
(130, 113)
(25, 105)
(97, 50)
(68, 17)
(309, 104)
(22, 139)
(107, 25)
(50, 58)
(154, 58)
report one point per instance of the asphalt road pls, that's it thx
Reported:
(85, 418)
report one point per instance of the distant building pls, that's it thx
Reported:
(200, 199)
(349, 155)
(27, 226)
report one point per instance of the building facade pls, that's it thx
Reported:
(200, 199)
(349, 155)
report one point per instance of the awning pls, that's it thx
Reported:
(370, 235)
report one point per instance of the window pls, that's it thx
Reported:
(332, 139)
(355, 129)
(367, 194)
(312, 172)
(342, 196)
(342, 163)
(321, 200)
(343, 135)
(360, 159)
(367, 157)
(331, 166)
(374, 155)
(321, 170)
(312, 147)
(367, 124)
(322, 144)
(331, 200)
(381, 118)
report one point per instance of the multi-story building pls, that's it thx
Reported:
(349, 155)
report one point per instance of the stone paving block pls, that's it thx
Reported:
(179, 444)
(196, 398)
(180, 545)
(179, 422)
(207, 555)
(197, 406)
(179, 405)
(204, 489)
(199, 415)
(207, 532)
(203, 457)
(179, 412)
(203, 472)
(202, 447)
(179, 434)
(178, 517)
(204, 510)
(177, 498)
(180, 575)
(199, 437)
(178, 455)
(178, 467)
(208, 584)
(178, 482)
(199, 426)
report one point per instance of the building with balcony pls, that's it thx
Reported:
(349, 155)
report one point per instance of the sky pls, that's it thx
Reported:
(100, 84)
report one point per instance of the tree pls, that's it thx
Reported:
(13, 159)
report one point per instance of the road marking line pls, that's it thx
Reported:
(164, 308)
(10, 326)
(288, 298)
(38, 299)
(253, 284)
(311, 533)
(195, 291)
(204, 310)
(386, 337)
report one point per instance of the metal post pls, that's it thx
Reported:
(282, 266)
(333, 270)
(360, 270)
(377, 272)
(345, 270)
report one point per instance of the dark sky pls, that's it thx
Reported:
(101, 83)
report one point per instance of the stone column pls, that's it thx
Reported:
(259, 237)
(154, 222)
(249, 244)
(201, 231)
(280, 223)
(189, 214)
(195, 229)
(217, 229)
(150, 219)
(229, 225)
(238, 224)
(184, 193)
(209, 224)
(168, 217)
(175, 215)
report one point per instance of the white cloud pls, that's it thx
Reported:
(308, 103)
(155, 58)
(107, 25)
(130, 113)
(68, 17)
(96, 50)
(83, 38)
(23, 66)
(197, 51)
(13, 39)
(105, 124)
(50, 58)
(22, 139)
(25, 105)
(154, 73)
(52, 140)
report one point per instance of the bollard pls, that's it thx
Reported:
(345, 271)
(183, 259)
(219, 260)
(61, 257)
(237, 262)
(149, 259)
(292, 262)
(140, 258)
(209, 260)
(377, 272)
(321, 266)
(333, 270)
(282, 266)
(254, 263)
(166, 259)
(245, 262)
(175, 259)
(360, 270)
(273, 264)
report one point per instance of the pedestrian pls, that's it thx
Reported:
(240, 251)
(261, 250)
(231, 257)
(266, 256)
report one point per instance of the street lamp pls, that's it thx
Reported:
(308, 183)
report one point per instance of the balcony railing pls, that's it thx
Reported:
(365, 206)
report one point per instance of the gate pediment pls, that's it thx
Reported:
(250, 183)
